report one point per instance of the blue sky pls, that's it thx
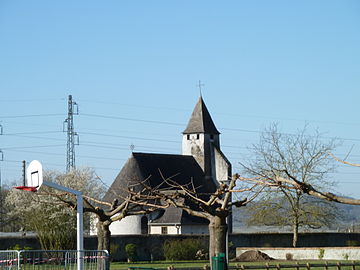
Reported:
(133, 66)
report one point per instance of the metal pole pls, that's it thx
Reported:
(24, 172)
(80, 233)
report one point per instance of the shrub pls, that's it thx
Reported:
(321, 253)
(113, 250)
(289, 256)
(352, 243)
(185, 249)
(131, 252)
(18, 247)
(232, 250)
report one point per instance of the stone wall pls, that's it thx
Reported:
(324, 253)
(305, 239)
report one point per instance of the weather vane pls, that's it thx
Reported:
(132, 147)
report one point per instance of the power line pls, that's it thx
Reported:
(119, 148)
(166, 123)
(132, 119)
(58, 154)
(135, 105)
(31, 132)
(126, 145)
(127, 137)
(31, 100)
(223, 113)
(33, 146)
(221, 128)
(30, 115)
(37, 137)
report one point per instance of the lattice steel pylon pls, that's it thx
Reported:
(72, 136)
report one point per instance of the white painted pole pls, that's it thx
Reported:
(80, 232)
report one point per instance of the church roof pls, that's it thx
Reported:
(154, 168)
(200, 121)
(174, 215)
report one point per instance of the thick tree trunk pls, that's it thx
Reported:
(217, 240)
(103, 235)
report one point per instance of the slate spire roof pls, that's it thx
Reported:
(200, 121)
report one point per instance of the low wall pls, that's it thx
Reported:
(273, 240)
(9, 242)
(150, 246)
(324, 253)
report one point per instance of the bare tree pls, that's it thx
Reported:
(297, 156)
(214, 207)
(107, 213)
(276, 210)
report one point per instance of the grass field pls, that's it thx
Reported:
(200, 264)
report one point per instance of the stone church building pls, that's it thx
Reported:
(201, 161)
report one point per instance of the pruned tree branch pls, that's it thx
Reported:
(343, 161)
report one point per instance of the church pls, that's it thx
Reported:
(201, 161)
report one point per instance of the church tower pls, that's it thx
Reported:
(201, 139)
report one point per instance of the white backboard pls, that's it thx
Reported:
(34, 174)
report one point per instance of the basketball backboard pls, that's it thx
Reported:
(34, 174)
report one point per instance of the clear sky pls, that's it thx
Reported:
(132, 67)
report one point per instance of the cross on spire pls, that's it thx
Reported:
(132, 147)
(199, 85)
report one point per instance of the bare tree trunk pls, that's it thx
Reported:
(295, 232)
(103, 235)
(217, 239)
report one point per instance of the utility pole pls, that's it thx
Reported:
(72, 136)
(24, 172)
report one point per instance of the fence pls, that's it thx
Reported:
(53, 259)
(9, 259)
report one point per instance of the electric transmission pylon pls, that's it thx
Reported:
(72, 136)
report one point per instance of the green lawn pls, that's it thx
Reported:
(200, 264)
(159, 265)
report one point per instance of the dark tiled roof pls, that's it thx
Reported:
(200, 121)
(173, 215)
(154, 168)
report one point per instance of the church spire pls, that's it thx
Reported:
(200, 121)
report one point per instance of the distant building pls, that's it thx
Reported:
(201, 161)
